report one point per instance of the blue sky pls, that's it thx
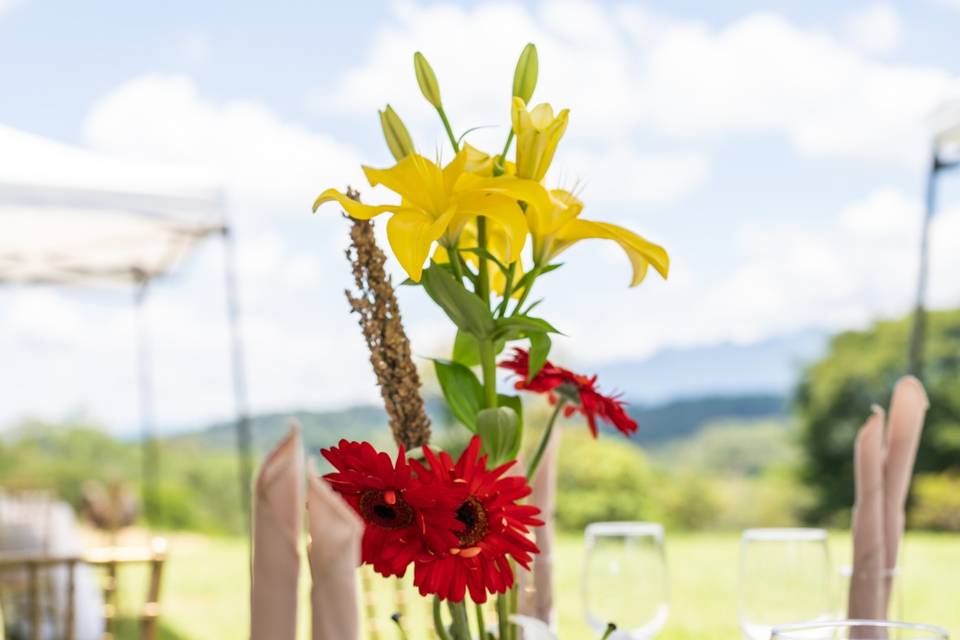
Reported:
(777, 151)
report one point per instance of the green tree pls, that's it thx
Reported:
(836, 393)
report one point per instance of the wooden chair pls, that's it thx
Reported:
(107, 559)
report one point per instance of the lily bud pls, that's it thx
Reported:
(395, 133)
(525, 75)
(427, 80)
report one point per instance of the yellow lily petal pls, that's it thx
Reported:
(497, 244)
(528, 191)
(640, 252)
(417, 180)
(354, 209)
(411, 233)
(541, 116)
(502, 210)
(441, 255)
(545, 220)
(452, 171)
(538, 134)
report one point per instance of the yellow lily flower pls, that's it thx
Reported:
(497, 245)
(482, 163)
(556, 226)
(436, 204)
(538, 134)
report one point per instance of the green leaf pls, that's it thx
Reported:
(466, 310)
(539, 350)
(465, 349)
(499, 430)
(484, 253)
(515, 403)
(462, 391)
(514, 327)
(528, 277)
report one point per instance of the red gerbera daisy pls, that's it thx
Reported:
(496, 527)
(402, 517)
(554, 380)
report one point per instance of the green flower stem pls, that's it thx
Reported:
(483, 285)
(610, 629)
(454, 255)
(438, 620)
(500, 167)
(446, 125)
(481, 625)
(461, 625)
(503, 617)
(545, 439)
(488, 365)
(514, 604)
(507, 289)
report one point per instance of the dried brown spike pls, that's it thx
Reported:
(376, 304)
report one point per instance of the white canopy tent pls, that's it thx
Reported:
(75, 218)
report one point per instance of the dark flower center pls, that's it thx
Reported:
(474, 518)
(385, 509)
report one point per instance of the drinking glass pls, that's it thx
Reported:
(625, 578)
(859, 630)
(785, 577)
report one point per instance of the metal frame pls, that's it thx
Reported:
(938, 165)
(183, 234)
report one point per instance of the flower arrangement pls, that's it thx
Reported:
(460, 231)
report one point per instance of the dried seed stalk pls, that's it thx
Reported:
(376, 304)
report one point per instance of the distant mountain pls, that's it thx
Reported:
(659, 424)
(682, 419)
(673, 394)
(768, 367)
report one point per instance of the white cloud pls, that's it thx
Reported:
(621, 175)
(78, 350)
(639, 71)
(876, 28)
(773, 279)
(268, 166)
(761, 73)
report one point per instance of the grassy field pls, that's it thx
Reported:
(205, 593)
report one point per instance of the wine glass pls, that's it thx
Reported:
(785, 577)
(625, 578)
(858, 630)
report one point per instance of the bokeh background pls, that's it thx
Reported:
(778, 150)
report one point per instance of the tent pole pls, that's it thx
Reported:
(243, 424)
(149, 454)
